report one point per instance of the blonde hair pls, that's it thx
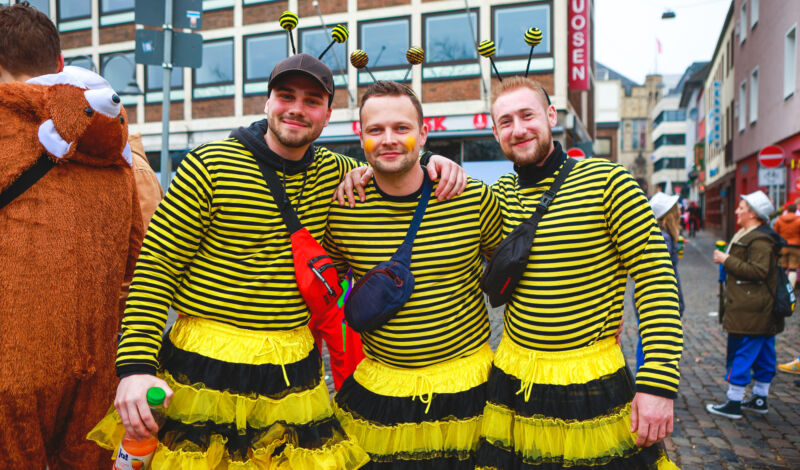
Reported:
(671, 222)
(512, 83)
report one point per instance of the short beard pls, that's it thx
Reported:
(289, 140)
(405, 165)
(540, 153)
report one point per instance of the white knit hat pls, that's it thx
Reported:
(661, 203)
(760, 204)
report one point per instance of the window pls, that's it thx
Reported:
(314, 40)
(639, 134)
(669, 139)
(261, 53)
(753, 13)
(215, 77)
(41, 5)
(154, 84)
(754, 95)
(743, 23)
(790, 62)
(74, 15)
(83, 61)
(217, 4)
(509, 25)
(742, 104)
(385, 42)
(449, 49)
(669, 163)
(670, 115)
(116, 12)
(602, 146)
(119, 68)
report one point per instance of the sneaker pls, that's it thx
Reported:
(729, 409)
(756, 404)
(790, 367)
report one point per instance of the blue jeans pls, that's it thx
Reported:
(750, 353)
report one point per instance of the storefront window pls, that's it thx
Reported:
(215, 77)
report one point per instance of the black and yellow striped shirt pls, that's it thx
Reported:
(218, 248)
(446, 316)
(598, 230)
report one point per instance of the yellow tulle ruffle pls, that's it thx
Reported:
(228, 343)
(541, 438)
(452, 376)
(559, 367)
(426, 438)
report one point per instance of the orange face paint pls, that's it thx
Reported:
(369, 145)
(409, 143)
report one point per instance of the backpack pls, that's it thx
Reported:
(785, 299)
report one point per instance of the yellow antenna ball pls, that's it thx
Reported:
(533, 36)
(369, 145)
(288, 20)
(486, 48)
(409, 143)
(339, 33)
(359, 58)
(415, 55)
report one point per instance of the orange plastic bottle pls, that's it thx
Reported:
(136, 454)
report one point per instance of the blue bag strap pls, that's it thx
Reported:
(420, 212)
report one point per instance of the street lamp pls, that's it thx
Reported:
(122, 80)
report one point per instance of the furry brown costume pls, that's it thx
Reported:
(66, 245)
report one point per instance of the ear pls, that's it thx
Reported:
(52, 141)
(423, 135)
(552, 116)
(60, 62)
(328, 117)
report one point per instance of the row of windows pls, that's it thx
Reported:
(669, 139)
(669, 163)
(448, 51)
(670, 115)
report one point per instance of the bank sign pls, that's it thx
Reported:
(578, 32)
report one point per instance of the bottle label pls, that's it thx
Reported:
(126, 461)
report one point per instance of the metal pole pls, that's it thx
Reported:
(166, 161)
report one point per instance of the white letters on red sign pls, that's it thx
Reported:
(480, 121)
(578, 45)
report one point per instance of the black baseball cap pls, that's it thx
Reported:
(305, 64)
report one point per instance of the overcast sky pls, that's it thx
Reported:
(626, 32)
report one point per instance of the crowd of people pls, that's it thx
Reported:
(419, 388)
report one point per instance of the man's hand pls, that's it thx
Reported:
(720, 257)
(452, 181)
(451, 176)
(651, 418)
(132, 407)
(356, 178)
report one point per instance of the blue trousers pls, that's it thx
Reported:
(750, 353)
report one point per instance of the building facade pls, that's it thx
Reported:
(669, 145)
(242, 41)
(766, 110)
(635, 135)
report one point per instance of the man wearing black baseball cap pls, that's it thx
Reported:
(240, 364)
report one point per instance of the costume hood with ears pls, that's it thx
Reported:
(95, 134)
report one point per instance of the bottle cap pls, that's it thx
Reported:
(156, 396)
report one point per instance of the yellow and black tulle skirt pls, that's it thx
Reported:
(243, 400)
(565, 409)
(417, 419)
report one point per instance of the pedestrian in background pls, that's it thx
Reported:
(668, 215)
(788, 226)
(751, 262)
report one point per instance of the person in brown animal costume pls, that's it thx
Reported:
(66, 245)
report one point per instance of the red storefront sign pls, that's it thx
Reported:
(578, 34)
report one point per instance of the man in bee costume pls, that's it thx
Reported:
(560, 394)
(416, 401)
(243, 377)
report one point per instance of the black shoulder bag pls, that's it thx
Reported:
(505, 269)
(384, 289)
(26, 179)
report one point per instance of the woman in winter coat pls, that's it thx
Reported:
(751, 262)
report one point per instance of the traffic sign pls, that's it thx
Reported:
(771, 176)
(576, 153)
(771, 156)
(186, 14)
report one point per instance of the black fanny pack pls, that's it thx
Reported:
(384, 289)
(505, 269)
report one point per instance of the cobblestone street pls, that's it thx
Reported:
(701, 440)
